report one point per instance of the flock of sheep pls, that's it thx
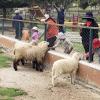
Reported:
(36, 54)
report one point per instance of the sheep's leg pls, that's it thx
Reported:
(22, 61)
(73, 77)
(41, 67)
(53, 80)
(37, 66)
(54, 77)
(34, 64)
(15, 63)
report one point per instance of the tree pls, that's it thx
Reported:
(4, 4)
(65, 3)
(85, 3)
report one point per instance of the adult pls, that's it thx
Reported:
(52, 30)
(60, 17)
(85, 32)
(18, 25)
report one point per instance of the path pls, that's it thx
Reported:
(38, 85)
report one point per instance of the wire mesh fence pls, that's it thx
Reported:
(72, 32)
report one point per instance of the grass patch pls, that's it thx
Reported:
(9, 93)
(4, 61)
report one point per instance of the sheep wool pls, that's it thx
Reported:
(41, 51)
(30, 52)
(21, 52)
(68, 65)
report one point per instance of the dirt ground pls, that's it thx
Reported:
(38, 85)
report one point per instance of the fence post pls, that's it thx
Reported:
(3, 26)
(90, 46)
(45, 32)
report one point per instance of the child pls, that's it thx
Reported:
(35, 35)
(96, 47)
(25, 35)
(61, 38)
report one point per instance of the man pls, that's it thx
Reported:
(18, 25)
(60, 17)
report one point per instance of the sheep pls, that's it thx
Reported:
(42, 49)
(34, 53)
(67, 65)
(22, 45)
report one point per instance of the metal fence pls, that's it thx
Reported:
(71, 31)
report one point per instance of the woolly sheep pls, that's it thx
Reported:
(22, 45)
(41, 51)
(68, 65)
(32, 53)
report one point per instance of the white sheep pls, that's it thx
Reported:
(63, 66)
(33, 53)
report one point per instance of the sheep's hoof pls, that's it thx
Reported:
(37, 69)
(33, 66)
(41, 70)
(15, 68)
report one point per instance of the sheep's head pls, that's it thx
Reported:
(43, 44)
(77, 56)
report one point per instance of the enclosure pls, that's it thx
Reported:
(37, 84)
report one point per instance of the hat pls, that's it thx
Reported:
(35, 28)
(88, 15)
(17, 11)
(46, 16)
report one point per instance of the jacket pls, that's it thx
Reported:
(52, 30)
(17, 24)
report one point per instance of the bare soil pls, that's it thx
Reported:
(38, 85)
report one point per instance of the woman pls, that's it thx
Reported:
(52, 30)
(85, 32)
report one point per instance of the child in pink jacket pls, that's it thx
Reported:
(35, 34)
